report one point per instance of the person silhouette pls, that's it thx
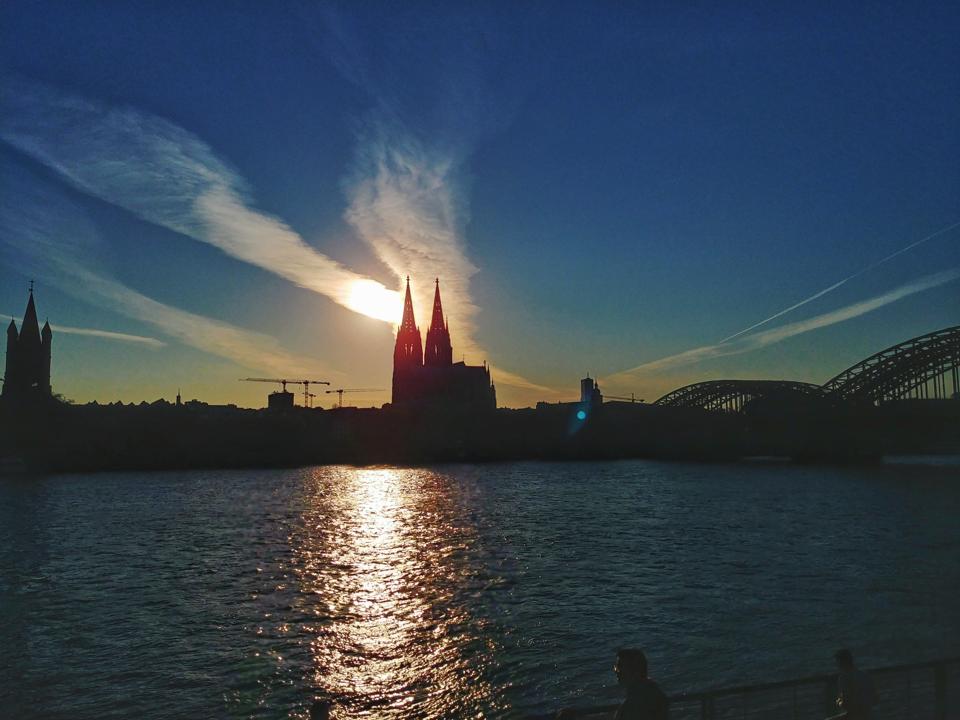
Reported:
(645, 700)
(856, 694)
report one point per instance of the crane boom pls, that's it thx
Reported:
(341, 391)
(286, 381)
(282, 381)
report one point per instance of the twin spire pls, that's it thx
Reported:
(438, 350)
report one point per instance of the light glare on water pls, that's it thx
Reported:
(460, 591)
(380, 545)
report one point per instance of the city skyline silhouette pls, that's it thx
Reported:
(652, 203)
(442, 360)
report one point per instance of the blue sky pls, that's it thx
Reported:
(599, 187)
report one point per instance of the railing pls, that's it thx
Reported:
(919, 691)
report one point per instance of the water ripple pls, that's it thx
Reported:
(458, 591)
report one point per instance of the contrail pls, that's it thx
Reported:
(775, 335)
(109, 335)
(833, 287)
(104, 334)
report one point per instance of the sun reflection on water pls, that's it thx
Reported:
(383, 558)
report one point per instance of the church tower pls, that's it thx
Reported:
(407, 353)
(438, 350)
(28, 355)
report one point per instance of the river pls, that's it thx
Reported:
(461, 590)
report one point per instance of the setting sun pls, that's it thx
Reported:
(374, 300)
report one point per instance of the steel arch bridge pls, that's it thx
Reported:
(733, 395)
(917, 368)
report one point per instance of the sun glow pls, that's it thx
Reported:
(372, 299)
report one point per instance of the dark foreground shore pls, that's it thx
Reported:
(924, 689)
(59, 437)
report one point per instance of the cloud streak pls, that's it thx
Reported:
(405, 205)
(404, 201)
(840, 283)
(103, 334)
(44, 233)
(168, 176)
(407, 193)
(775, 335)
(249, 349)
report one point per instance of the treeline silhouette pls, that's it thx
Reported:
(50, 435)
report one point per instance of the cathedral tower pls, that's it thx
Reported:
(438, 350)
(408, 351)
(426, 378)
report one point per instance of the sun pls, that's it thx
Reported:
(372, 299)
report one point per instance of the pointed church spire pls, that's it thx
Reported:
(30, 327)
(437, 321)
(408, 350)
(408, 323)
(438, 351)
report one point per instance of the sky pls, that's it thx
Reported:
(651, 194)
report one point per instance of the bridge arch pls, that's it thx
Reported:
(733, 395)
(916, 368)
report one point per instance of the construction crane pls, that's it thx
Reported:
(284, 382)
(341, 391)
(306, 390)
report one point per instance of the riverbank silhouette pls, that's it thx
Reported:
(53, 436)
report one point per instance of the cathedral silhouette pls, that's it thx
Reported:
(425, 376)
(27, 372)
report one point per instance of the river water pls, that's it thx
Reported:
(460, 591)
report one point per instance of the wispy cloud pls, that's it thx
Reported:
(249, 349)
(168, 176)
(840, 283)
(407, 194)
(44, 233)
(407, 204)
(103, 334)
(405, 201)
(775, 335)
